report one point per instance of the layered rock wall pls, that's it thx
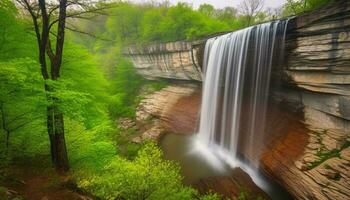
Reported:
(317, 75)
(313, 163)
(174, 60)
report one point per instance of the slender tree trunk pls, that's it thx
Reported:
(7, 139)
(4, 126)
(55, 126)
(55, 119)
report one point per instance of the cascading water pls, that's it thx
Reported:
(237, 68)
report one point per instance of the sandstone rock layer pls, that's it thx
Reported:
(174, 60)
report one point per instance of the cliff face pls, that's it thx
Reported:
(317, 74)
(174, 60)
(309, 155)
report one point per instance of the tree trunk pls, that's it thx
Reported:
(55, 116)
(55, 126)
(4, 127)
(55, 121)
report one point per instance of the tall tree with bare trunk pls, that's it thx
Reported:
(45, 15)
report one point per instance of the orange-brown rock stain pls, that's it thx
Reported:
(286, 137)
(183, 116)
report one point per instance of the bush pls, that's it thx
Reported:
(149, 176)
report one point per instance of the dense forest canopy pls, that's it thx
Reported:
(162, 22)
(96, 85)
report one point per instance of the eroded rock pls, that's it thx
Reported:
(126, 123)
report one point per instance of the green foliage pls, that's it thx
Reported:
(11, 28)
(150, 24)
(130, 23)
(125, 88)
(126, 85)
(182, 22)
(207, 9)
(124, 23)
(242, 195)
(98, 148)
(22, 97)
(21, 102)
(147, 177)
(85, 81)
(20, 78)
(294, 7)
(98, 85)
(210, 196)
(139, 24)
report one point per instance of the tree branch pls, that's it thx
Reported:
(24, 124)
(87, 33)
(79, 13)
(19, 117)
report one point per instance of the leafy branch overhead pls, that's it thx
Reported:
(45, 16)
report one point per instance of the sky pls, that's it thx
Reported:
(221, 3)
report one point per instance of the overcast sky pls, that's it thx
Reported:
(221, 3)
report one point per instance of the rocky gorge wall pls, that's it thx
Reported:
(181, 60)
(311, 157)
(316, 76)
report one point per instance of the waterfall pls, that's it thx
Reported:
(237, 68)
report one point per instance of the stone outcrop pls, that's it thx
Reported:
(308, 154)
(154, 133)
(174, 60)
(175, 106)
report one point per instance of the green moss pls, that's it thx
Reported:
(326, 166)
(325, 155)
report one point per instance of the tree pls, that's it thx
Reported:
(228, 15)
(124, 22)
(207, 9)
(45, 16)
(274, 13)
(21, 97)
(250, 8)
(41, 14)
(12, 28)
(294, 7)
(150, 24)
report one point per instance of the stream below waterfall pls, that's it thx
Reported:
(196, 167)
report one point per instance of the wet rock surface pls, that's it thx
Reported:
(238, 185)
